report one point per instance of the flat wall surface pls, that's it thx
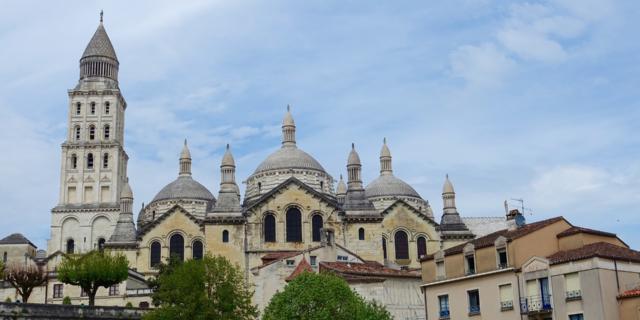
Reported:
(49, 311)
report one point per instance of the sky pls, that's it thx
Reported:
(533, 100)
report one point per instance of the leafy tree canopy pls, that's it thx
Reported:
(323, 296)
(93, 270)
(211, 288)
(24, 278)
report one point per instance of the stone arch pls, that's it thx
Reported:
(269, 227)
(293, 223)
(100, 228)
(70, 229)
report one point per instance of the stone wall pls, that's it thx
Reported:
(49, 311)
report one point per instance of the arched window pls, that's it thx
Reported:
(402, 245)
(176, 247)
(74, 161)
(316, 225)
(101, 242)
(90, 161)
(294, 225)
(321, 186)
(143, 305)
(106, 107)
(361, 234)
(384, 248)
(105, 160)
(155, 253)
(106, 132)
(78, 108)
(259, 187)
(269, 228)
(93, 108)
(92, 132)
(197, 250)
(77, 133)
(71, 246)
(225, 236)
(422, 246)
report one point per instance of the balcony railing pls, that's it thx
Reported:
(139, 292)
(535, 304)
(444, 313)
(503, 265)
(474, 309)
(574, 295)
(506, 305)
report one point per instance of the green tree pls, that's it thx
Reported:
(323, 296)
(24, 279)
(211, 288)
(93, 270)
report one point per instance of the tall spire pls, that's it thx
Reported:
(288, 130)
(451, 225)
(229, 195)
(354, 169)
(185, 160)
(99, 59)
(385, 159)
(124, 233)
(341, 190)
(228, 170)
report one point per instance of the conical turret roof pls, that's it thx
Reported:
(100, 45)
(227, 159)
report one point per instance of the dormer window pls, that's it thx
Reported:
(502, 258)
(470, 264)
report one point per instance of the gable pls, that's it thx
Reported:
(177, 218)
(403, 215)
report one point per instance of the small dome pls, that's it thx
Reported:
(227, 159)
(289, 157)
(448, 186)
(185, 187)
(354, 158)
(389, 185)
(342, 187)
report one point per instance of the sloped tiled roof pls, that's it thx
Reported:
(490, 239)
(367, 269)
(16, 238)
(630, 294)
(303, 266)
(598, 249)
(575, 230)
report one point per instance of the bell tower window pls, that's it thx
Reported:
(74, 161)
(105, 161)
(78, 108)
(92, 132)
(107, 132)
(77, 133)
(93, 108)
(90, 161)
(107, 105)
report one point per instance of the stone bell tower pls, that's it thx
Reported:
(94, 163)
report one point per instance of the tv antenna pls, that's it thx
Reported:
(521, 202)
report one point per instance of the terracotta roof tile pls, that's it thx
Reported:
(576, 230)
(630, 294)
(279, 255)
(489, 239)
(598, 249)
(367, 269)
(303, 266)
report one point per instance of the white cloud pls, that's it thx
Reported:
(481, 65)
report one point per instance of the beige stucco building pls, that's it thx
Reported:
(291, 207)
(548, 269)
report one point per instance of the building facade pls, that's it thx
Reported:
(548, 269)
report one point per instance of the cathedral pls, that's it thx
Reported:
(292, 217)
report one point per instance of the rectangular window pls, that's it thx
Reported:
(502, 258)
(471, 264)
(114, 290)
(572, 284)
(314, 260)
(474, 302)
(440, 271)
(291, 263)
(343, 258)
(83, 293)
(577, 316)
(78, 108)
(57, 290)
(443, 302)
(506, 297)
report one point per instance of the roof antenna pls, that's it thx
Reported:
(101, 14)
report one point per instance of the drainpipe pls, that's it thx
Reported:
(615, 265)
(426, 310)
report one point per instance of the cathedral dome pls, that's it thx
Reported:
(185, 187)
(289, 157)
(389, 185)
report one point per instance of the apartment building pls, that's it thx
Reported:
(548, 269)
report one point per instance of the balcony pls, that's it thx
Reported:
(444, 314)
(573, 295)
(506, 305)
(535, 304)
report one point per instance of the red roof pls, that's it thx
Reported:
(630, 294)
(367, 269)
(576, 230)
(597, 249)
(279, 255)
(490, 239)
(303, 266)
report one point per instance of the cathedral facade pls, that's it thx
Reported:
(293, 215)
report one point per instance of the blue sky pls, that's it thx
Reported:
(513, 99)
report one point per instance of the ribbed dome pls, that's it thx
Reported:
(389, 185)
(289, 157)
(184, 188)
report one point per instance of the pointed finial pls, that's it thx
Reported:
(447, 176)
(227, 146)
(288, 107)
(353, 145)
(185, 141)
(101, 14)
(384, 140)
(341, 176)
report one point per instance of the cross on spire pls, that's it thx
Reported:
(101, 15)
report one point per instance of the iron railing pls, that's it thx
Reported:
(540, 303)
(444, 313)
(506, 305)
(474, 309)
